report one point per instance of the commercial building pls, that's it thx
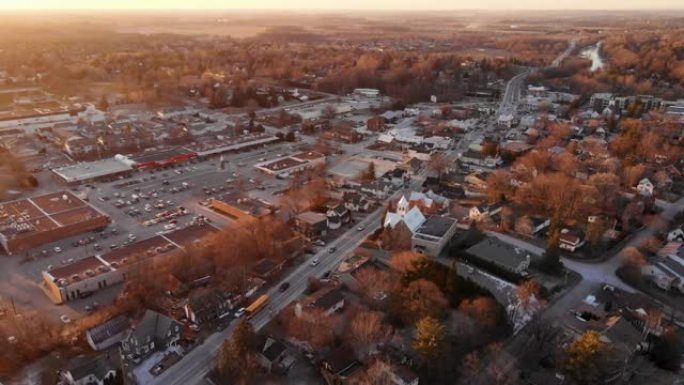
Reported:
(433, 235)
(238, 207)
(99, 170)
(291, 164)
(31, 222)
(163, 158)
(224, 145)
(93, 273)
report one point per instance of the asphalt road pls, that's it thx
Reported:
(198, 362)
(594, 275)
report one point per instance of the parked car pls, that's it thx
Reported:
(314, 262)
(284, 286)
(241, 311)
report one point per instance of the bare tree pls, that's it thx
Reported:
(368, 329)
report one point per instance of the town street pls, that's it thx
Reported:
(198, 362)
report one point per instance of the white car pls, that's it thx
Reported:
(170, 226)
(361, 228)
(57, 249)
(65, 318)
(314, 262)
(241, 311)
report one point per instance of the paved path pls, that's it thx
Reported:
(197, 363)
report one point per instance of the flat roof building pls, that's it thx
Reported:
(93, 273)
(433, 235)
(238, 207)
(291, 164)
(99, 170)
(31, 222)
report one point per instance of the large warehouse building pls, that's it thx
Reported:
(31, 222)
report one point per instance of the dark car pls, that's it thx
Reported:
(284, 286)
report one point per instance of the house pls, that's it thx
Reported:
(355, 202)
(312, 224)
(378, 189)
(666, 272)
(496, 252)
(483, 211)
(155, 332)
(328, 300)
(340, 367)
(570, 241)
(645, 187)
(428, 202)
(376, 123)
(108, 333)
(478, 179)
(272, 355)
(403, 375)
(676, 235)
(397, 177)
(207, 305)
(84, 370)
(530, 226)
(266, 268)
(477, 158)
(337, 215)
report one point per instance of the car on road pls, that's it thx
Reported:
(241, 312)
(319, 243)
(57, 249)
(284, 286)
(332, 250)
(361, 228)
(314, 262)
(65, 318)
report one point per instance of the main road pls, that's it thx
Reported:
(194, 366)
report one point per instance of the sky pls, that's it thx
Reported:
(342, 5)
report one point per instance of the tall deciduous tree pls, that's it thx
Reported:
(585, 361)
(430, 338)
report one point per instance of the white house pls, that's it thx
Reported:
(570, 241)
(645, 187)
(667, 273)
(484, 211)
(675, 235)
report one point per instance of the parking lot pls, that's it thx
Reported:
(140, 206)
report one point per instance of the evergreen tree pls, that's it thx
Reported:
(550, 262)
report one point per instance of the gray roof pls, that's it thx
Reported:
(154, 325)
(329, 299)
(109, 329)
(436, 226)
(271, 348)
(498, 252)
(83, 366)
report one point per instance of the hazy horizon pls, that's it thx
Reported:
(350, 5)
